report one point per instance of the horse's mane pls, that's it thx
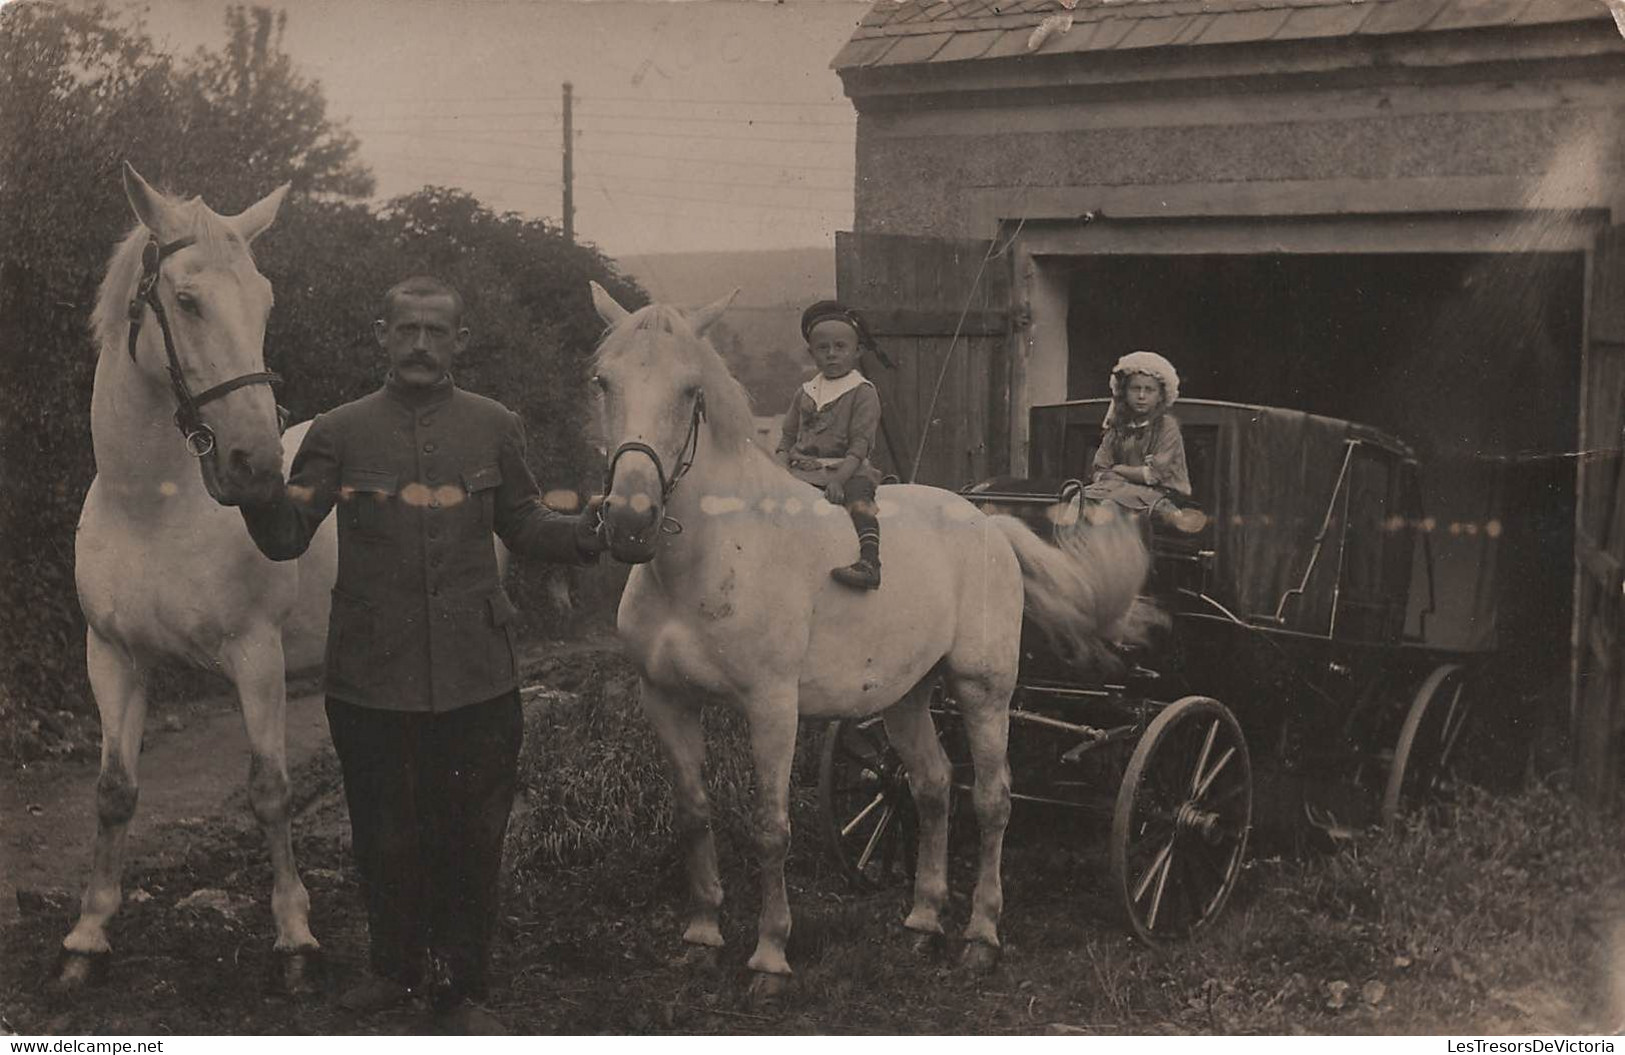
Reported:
(111, 319)
(727, 404)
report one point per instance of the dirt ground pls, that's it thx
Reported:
(596, 951)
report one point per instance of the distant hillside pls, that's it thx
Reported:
(767, 277)
(760, 335)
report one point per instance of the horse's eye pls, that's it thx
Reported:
(598, 382)
(188, 303)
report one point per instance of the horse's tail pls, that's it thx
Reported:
(1084, 590)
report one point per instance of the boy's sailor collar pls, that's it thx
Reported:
(823, 391)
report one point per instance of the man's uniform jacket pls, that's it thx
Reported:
(421, 479)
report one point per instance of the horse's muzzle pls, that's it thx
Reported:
(632, 527)
(234, 479)
(631, 551)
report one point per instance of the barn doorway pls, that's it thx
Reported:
(1472, 358)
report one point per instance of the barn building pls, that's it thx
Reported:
(1401, 212)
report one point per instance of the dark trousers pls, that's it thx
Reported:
(429, 796)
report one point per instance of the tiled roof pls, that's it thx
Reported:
(919, 31)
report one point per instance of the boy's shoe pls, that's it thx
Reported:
(861, 575)
(375, 994)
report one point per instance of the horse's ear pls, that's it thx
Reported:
(703, 318)
(153, 209)
(608, 308)
(257, 217)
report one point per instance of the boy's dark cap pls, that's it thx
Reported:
(826, 310)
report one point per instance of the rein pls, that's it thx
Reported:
(684, 461)
(199, 436)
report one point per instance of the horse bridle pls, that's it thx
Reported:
(199, 436)
(684, 461)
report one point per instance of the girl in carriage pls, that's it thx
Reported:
(1140, 464)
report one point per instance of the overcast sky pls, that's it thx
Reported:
(700, 125)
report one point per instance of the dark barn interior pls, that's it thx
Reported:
(1473, 359)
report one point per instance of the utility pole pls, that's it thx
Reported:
(569, 172)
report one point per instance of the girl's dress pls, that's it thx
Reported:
(1156, 443)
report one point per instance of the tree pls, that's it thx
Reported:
(84, 90)
(247, 120)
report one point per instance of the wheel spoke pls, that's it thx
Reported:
(1157, 862)
(874, 837)
(1218, 767)
(1455, 723)
(852, 824)
(1197, 783)
(1162, 881)
(1218, 798)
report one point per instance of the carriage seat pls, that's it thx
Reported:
(1037, 503)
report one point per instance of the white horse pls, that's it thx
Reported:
(735, 605)
(165, 570)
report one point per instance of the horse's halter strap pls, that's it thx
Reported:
(685, 455)
(188, 418)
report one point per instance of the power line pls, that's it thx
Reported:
(440, 137)
(644, 177)
(505, 181)
(460, 122)
(732, 163)
(458, 163)
(729, 202)
(713, 136)
(523, 116)
(826, 187)
(708, 102)
(391, 100)
(447, 135)
(665, 118)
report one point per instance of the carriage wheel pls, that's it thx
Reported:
(1425, 753)
(864, 803)
(1183, 814)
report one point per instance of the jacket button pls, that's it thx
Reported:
(428, 448)
(426, 420)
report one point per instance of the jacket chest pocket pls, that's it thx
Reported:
(482, 484)
(368, 497)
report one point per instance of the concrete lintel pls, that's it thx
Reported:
(1310, 216)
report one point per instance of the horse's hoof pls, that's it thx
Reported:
(980, 957)
(76, 970)
(298, 973)
(766, 990)
(700, 958)
(927, 944)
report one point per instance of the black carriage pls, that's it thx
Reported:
(1296, 657)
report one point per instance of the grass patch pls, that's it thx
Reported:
(1494, 915)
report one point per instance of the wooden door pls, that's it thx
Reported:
(939, 310)
(1600, 532)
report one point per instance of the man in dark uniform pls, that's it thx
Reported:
(422, 682)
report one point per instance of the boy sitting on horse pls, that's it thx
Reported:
(829, 431)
